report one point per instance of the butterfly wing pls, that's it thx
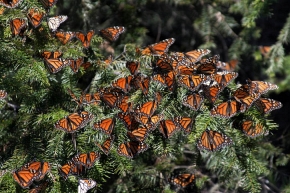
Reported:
(252, 130)
(10, 3)
(193, 101)
(35, 17)
(105, 125)
(159, 48)
(107, 145)
(55, 65)
(266, 105)
(64, 37)
(168, 128)
(182, 180)
(185, 123)
(212, 140)
(18, 26)
(47, 4)
(112, 33)
(85, 39)
(85, 185)
(54, 22)
(133, 67)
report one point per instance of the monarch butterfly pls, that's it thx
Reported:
(192, 82)
(228, 66)
(123, 83)
(147, 108)
(159, 48)
(211, 91)
(193, 56)
(24, 177)
(139, 134)
(133, 67)
(76, 64)
(48, 3)
(228, 109)
(85, 185)
(112, 33)
(252, 130)
(42, 168)
(85, 39)
(185, 123)
(54, 22)
(10, 3)
(64, 170)
(266, 105)
(242, 95)
(208, 66)
(142, 82)
(224, 78)
(35, 17)
(64, 37)
(51, 55)
(182, 180)
(129, 120)
(74, 121)
(3, 94)
(131, 148)
(166, 79)
(111, 96)
(260, 87)
(86, 159)
(163, 65)
(77, 169)
(39, 188)
(265, 50)
(85, 98)
(124, 105)
(105, 125)
(107, 145)
(212, 140)
(184, 70)
(149, 122)
(193, 101)
(18, 26)
(168, 128)
(55, 65)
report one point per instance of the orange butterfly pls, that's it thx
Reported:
(166, 79)
(139, 134)
(64, 171)
(159, 48)
(39, 188)
(124, 105)
(85, 39)
(74, 121)
(243, 95)
(112, 33)
(260, 87)
(185, 70)
(129, 120)
(212, 140)
(224, 78)
(123, 83)
(193, 56)
(228, 66)
(18, 26)
(76, 64)
(111, 96)
(10, 3)
(142, 82)
(163, 65)
(106, 125)
(208, 66)
(192, 82)
(265, 50)
(86, 159)
(51, 55)
(211, 91)
(147, 108)
(133, 67)
(35, 17)
(3, 94)
(85, 185)
(86, 98)
(184, 123)
(227, 109)
(131, 149)
(193, 101)
(107, 145)
(182, 180)
(266, 105)
(251, 129)
(48, 3)
(150, 122)
(55, 65)
(168, 128)
(24, 177)
(64, 37)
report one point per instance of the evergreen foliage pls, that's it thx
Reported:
(37, 99)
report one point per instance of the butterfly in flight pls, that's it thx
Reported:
(35, 17)
(74, 121)
(85, 185)
(193, 56)
(107, 145)
(18, 26)
(85, 39)
(159, 48)
(54, 22)
(112, 33)
(212, 140)
(182, 180)
(64, 36)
